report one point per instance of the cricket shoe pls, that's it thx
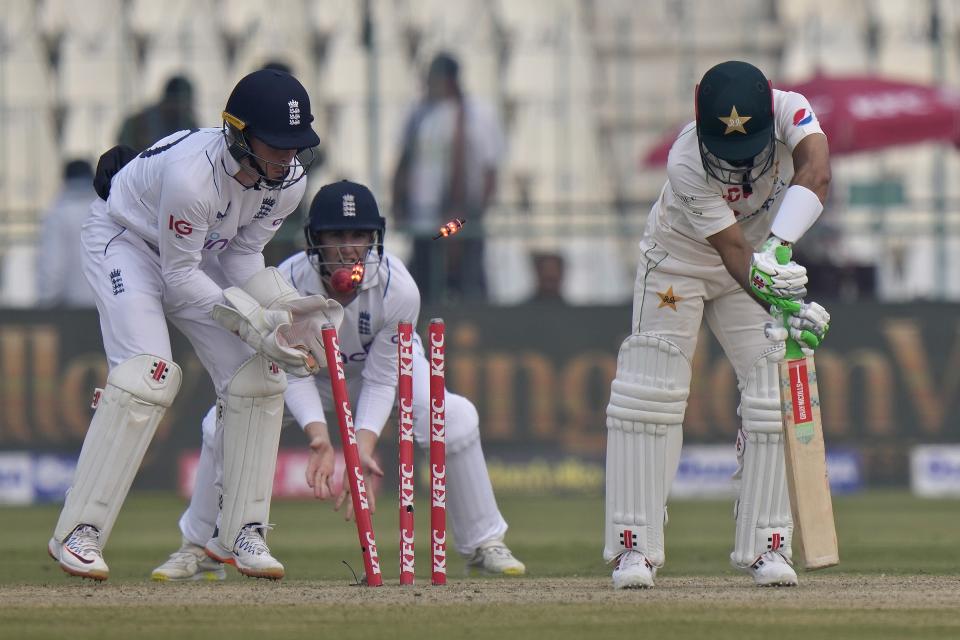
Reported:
(633, 571)
(79, 554)
(494, 557)
(189, 562)
(250, 553)
(772, 570)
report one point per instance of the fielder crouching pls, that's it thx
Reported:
(178, 232)
(751, 173)
(345, 260)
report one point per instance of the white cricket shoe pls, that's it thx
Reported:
(633, 571)
(494, 557)
(80, 554)
(772, 570)
(189, 562)
(250, 553)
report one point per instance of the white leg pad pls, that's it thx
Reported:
(137, 393)
(644, 435)
(252, 414)
(762, 510)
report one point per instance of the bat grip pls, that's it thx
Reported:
(783, 254)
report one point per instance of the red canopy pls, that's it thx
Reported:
(862, 113)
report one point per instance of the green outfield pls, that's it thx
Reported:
(899, 578)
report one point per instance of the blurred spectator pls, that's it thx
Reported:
(548, 269)
(447, 169)
(173, 113)
(59, 277)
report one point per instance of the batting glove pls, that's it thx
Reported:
(808, 325)
(770, 278)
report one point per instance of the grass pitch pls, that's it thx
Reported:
(899, 578)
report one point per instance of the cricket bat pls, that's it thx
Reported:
(805, 455)
(806, 462)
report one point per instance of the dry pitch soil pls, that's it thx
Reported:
(826, 591)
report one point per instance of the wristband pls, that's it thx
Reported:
(800, 209)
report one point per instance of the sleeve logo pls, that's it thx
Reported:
(180, 227)
(802, 117)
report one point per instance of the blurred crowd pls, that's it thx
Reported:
(529, 120)
(451, 148)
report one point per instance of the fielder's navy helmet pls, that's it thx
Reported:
(735, 124)
(343, 206)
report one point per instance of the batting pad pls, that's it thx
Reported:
(137, 393)
(644, 434)
(252, 414)
(762, 510)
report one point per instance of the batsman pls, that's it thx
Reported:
(749, 175)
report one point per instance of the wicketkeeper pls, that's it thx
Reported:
(178, 235)
(749, 174)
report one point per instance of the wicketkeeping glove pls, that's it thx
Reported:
(264, 330)
(308, 314)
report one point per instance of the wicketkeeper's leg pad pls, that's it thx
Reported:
(762, 509)
(644, 434)
(251, 412)
(129, 408)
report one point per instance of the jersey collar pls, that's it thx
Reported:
(232, 167)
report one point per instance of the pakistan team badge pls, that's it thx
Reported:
(734, 122)
(668, 299)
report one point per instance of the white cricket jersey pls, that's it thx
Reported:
(180, 196)
(693, 205)
(367, 340)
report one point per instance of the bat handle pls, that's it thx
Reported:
(783, 254)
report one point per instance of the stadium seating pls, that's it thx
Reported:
(585, 89)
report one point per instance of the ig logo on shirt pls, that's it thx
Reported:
(180, 228)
